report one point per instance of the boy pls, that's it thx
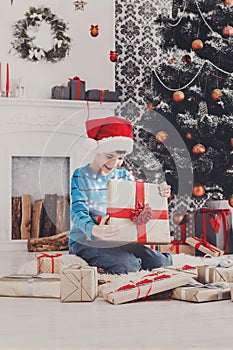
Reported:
(89, 235)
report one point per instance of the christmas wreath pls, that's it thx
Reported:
(23, 42)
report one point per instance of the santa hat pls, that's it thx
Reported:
(111, 134)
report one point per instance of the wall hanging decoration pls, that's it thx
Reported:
(113, 56)
(94, 30)
(24, 43)
(79, 5)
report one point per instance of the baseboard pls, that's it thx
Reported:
(19, 244)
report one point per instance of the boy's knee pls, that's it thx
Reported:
(127, 265)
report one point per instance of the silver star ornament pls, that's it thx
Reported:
(79, 5)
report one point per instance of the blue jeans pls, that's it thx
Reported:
(123, 259)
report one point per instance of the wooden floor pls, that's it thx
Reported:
(32, 323)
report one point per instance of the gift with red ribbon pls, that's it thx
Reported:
(216, 228)
(49, 263)
(102, 95)
(177, 246)
(139, 286)
(186, 228)
(139, 210)
(60, 92)
(77, 88)
(205, 247)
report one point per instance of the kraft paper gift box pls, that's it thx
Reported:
(139, 210)
(203, 246)
(144, 286)
(102, 95)
(204, 293)
(79, 284)
(30, 286)
(60, 93)
(216, 226)
(191, 270)
(212, 274)
(77, 89)
(49, 263)
(177, 247)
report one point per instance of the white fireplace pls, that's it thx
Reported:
(41, 128)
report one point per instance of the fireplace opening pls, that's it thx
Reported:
(40, 196)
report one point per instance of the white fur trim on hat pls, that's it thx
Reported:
(113, 144)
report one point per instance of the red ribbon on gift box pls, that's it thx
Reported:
(216, 223)
(140, 214)
(45, 255)
(176, 245)
(78, 86)
(202, 241)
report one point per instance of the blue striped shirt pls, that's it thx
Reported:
(88, 199)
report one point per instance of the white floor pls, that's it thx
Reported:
(31, 323)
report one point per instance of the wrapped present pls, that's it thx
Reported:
(221, 204)
(139, 210)
(137, 288)
(215, 225)
(60, 93)
(79, 283)
(212, 274)
(202, 245)
(102, 95)
(49, 263)
(177, 247)
(186, 228)
(77, 88)
(191, 270)
(204, 293)
(30, 286)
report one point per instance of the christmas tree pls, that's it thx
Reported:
(188, 127)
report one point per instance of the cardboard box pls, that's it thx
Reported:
(212, 274)
(49, 263)
(139, 210)
(79, 284)
(137, 288)
(202, 294)
(30, 286)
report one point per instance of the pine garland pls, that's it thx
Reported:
(23, 43)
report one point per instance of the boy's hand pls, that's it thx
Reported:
(164, 189)
(104, 231)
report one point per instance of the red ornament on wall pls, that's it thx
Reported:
(188, 136)
(228, 3)
(216, 95)
(230, 200)
(94, 30)
(199, 149)
(227, 31)
(113, 56)
(198, 190)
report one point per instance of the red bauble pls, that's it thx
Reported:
(94, 30)
(188, 136)
(197, 45)
(186, 59)
(230, 200)
(198, 190)
(161, 136)
(227, 31)
(150, 106)
(177, 218)
(216, 94)
(232, 142)
(113, 55)
(228, 2)
(178, 96)
(198, 149)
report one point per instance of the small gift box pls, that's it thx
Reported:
(77, 88)
(49, 263)
(29, 286)
(200, 294)
(139, 210)
(186, 228)
(177, 247)
(60, 92)
(79, 283)
(191, 270)
(144, 286)
(212, 274)
(215, 225)
(102, 95)
(202, 245)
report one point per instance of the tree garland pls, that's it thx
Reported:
(23, 43)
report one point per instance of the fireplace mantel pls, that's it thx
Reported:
(51, 128)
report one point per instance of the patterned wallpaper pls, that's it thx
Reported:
(138, 46)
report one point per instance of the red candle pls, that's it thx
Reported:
(7, 80)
